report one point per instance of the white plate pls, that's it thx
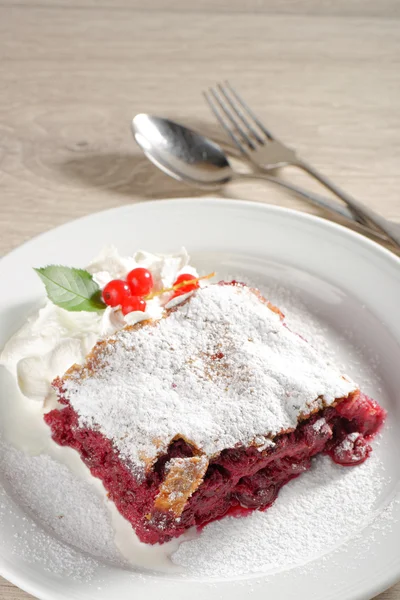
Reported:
(350, 282)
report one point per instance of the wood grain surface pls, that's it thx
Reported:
(325, 76)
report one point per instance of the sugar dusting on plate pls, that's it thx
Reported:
(63, 517)
(49, 490)
(35, 546)
(312, 514)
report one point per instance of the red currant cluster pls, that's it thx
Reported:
(131, 294)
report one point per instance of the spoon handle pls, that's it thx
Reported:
(330, 205)
(363, 212)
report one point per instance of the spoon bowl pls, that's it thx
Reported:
(181, 152)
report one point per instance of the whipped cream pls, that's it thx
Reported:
(53, 339)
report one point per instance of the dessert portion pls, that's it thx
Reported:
(206, 411)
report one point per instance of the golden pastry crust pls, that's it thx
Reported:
(184, 476)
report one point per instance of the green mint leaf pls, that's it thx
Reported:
(71, 289)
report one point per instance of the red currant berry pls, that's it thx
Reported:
(140, 281)
(132, 303)
(115, 292)
(185, 288)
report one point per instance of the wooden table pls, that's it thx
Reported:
(324, 75)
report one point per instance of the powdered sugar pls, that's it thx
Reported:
(61, 501)
(349, 448)
(349, 440)
(220, 370)
(318, 425)
(43, 489)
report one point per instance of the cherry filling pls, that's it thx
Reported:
(237, 480)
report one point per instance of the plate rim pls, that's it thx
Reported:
(346, 231)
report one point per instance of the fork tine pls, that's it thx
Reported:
(222, 122)
(240, 114)
(249, 111)
(229, 117)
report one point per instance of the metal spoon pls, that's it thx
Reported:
(198, 161)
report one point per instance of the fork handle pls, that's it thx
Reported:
(331, 206)
(362, 213)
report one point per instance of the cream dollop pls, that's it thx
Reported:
(53, 339)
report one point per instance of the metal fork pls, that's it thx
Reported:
(266, 152)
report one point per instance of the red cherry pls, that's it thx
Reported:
(140, 281)
(115, 292)
(185, 288)
(132, 303)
